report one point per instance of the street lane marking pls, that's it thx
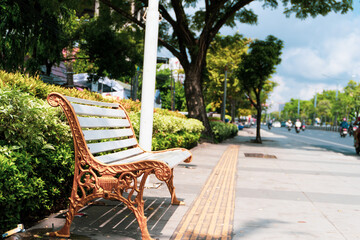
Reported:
(212, 213)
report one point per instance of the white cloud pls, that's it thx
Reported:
(333, 58)
(291, 88)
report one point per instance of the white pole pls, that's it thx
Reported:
(149, 69)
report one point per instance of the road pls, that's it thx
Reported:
(318, 138)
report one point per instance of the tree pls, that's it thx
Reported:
(165, 84)
(106, 48)
(188, 37)
(33, 33)
(255, 70)
(224, 55)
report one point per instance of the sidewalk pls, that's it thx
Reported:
(276, 192)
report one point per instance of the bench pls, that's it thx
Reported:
(109, 163)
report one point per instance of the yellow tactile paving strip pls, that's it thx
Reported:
(211, 216)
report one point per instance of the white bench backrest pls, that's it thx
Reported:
(106, 129)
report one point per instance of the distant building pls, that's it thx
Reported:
(105, 86)
(174, 65)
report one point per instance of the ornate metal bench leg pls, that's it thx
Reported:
(170, 185)
(137, 207)
(65, 230)
(142, 220)
(74, 206)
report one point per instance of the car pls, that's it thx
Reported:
(283, 124)
(276, 124)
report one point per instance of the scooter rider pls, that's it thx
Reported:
(289, 124)
(344, 124)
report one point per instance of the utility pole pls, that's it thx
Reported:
(298, 108)
(172, 79)
(149, 75)
(224, 97)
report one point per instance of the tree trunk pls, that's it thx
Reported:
(48, 68)
(233, 109)
(258, 118)
(195, 100)
(69, 75)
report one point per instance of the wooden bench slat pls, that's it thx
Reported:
(97, 111)
(106, 134)
(90, 102)
(111, 145)
(109, 158)
(87, 122)
(171, 158)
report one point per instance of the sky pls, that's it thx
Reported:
(321, 53)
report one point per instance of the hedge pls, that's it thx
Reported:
(223, 130)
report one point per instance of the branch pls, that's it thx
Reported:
(123, 13)
(181, 27)
(228, 14)
(175, 52)
(77, 58)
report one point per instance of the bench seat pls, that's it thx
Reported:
(171, 158)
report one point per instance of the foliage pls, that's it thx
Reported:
(39, 89)
(179, 98)
(223, 130)
(331, 105)
(38, 135)
(35, 158)
(164, 83)
(162, 140)
(115, 59)
(34, 33)
(255, 70)
(245, 112)
(169, 113)
(171, 131)
(224, 54)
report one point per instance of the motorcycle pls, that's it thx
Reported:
(343, 132)
(289, 128)
(352, 130)
(356, 143)
(297, 127)
(303, 127)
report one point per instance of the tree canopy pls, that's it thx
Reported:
(224, 55)
(329, 106)
(34, 33)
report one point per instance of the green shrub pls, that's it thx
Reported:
(36, 158)
(223, 130)
(170, 113)
(28, 122)
(183, 139)
(170, 131)
(36, 87)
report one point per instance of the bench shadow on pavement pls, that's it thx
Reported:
(106, 219)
